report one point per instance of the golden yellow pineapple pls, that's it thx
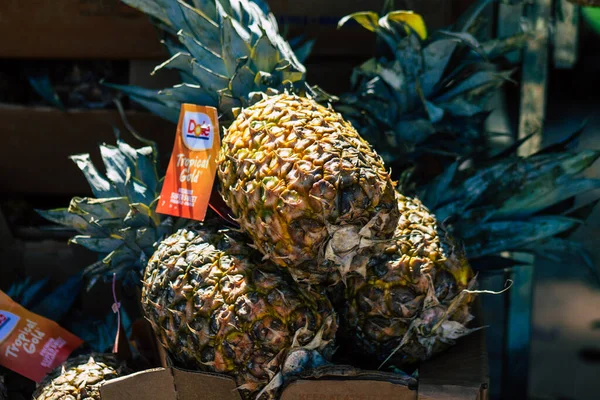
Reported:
(311, 193)
(412, 303)
(80, 378)
(215, 306)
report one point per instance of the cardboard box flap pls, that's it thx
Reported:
(150, 384)
(449, 392)
(348, 372)
(193, 385)
(460, 372)
(347, 390)
(350, 383)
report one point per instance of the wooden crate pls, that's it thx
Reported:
(38, 142)
(110, 29)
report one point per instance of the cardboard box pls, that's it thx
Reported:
(110, 29)
(39, 140)
(458, 374)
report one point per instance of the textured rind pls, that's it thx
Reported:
(215, 306)
(311, 193)
(80, 378)
(413, 302)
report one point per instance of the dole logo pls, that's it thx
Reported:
(8, 322)
(198, 131)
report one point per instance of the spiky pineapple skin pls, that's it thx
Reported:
(412, 303)
(80, 378)
(306, 187)
(216, 307)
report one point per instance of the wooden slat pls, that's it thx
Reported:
(566, 34)
(531, 120)
(38, 142)
(518, 333)
(535, 75)
(462, 371)
(509, 23)
(494, 316)
(76, 29)
(110, 29)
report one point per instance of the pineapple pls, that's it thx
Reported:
(80, 378)
(415, 299)
(491, 211)
(304, 185)
(412, 303)
(215, 306)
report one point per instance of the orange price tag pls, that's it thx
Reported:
(30, 344)
(191, 173)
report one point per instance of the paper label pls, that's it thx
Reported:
(32, 345)
(191, 173)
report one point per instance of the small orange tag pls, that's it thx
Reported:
(30, 344)
(193, 166)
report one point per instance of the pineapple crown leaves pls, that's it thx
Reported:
(386, 26)
(120, 222)
(512, 203)
(225, 52)
(423, 86)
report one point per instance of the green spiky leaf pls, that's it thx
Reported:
(141, 215)
(188, 93)
(152, 8)
(367, 19)
(204, 56)
(180, 61)
(264, 55)
(242, 82)
(198, 24)
(410, 19)
(99, 245)
(106, 209)
(494, 237)
(100, 186)
(62, 216)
